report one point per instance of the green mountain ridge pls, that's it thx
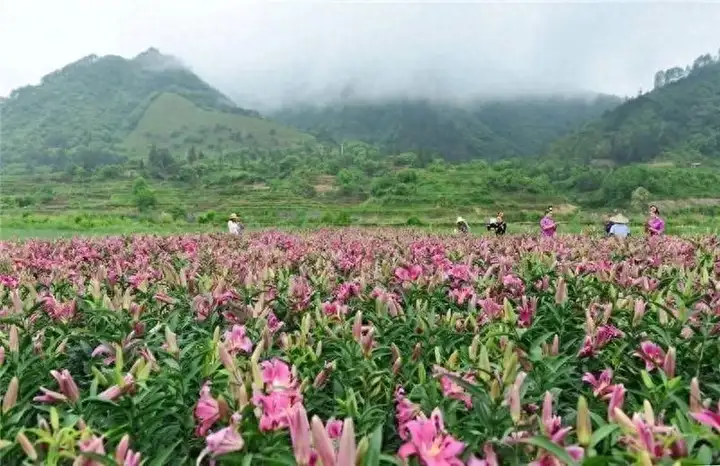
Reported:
(490, 130)
(677, 121)
(95, 112)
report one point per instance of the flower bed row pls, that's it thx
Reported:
(359, 347)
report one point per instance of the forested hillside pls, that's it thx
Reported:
(678, 121)
(83, 114)
(490, 130)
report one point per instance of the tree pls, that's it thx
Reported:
(659, 79)
(192, 155)
(143, 197)
(639, 198)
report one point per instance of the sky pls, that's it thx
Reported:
(265, 54)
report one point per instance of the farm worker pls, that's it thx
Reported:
(498, 224)
(547, 225)
(609, 222)
(619, 228)
(655, 225)
(462, 226)
(234, 226)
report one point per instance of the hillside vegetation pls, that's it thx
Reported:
(101, 111)
(489, 130)
(677, 121)
(184, 154)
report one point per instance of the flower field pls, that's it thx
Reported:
(359, 347)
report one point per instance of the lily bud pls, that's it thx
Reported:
(662, 317)
(473, 349)
(2, 355)
(452, 361)
(644, 459)
(14, 343)
(494, 390)
(416, 351)
(285, 341)
(484, 364)
(226, 359)
(27, 447)
(584, 424)
(695, 396)
(509, 316)
(620, 418)
(555, 348)
(357, 326)
(397, 365)
(648, 412)
(514, 398)
(438, 355)
(395, 351)
(10, 398)
(669, 363)
(171, 345)
(560, 291)
(510, 369)
(639, 312)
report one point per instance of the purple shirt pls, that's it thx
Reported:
(656, 226)
(547, 226)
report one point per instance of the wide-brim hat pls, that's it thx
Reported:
(619, 218)
(233, 216)
(460, 219)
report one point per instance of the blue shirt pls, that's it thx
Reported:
(620, 230)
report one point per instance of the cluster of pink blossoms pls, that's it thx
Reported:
(280, 392)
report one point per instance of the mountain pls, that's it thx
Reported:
(677, 121)
(490, 130)
(101, 110)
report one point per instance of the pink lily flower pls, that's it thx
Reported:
(274, 407)
(277, 375)
(92, 445)
(652, 354)
(708, 417)
(451, 389)
(299, 433)
(405, 411)
(617, 399)
(335, 309)
(430, 443)
(408, 274)
(526, 312)
(236, 340)
(491, 458)
(124, 455)
(67, 384)
(334, 428)
(207, 411)
(225, 440)
(602, 385)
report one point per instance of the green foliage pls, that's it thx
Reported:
(640, 198)
(489, 130)
(143, 197)
(679, 120)
(102, 111)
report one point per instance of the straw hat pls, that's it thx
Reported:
(619, 218)
(460, 219)
(233, 217)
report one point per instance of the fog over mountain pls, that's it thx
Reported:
(266, 54)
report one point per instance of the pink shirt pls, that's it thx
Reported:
(656, 226)
(547, 226)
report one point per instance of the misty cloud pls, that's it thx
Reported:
(264, 54)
